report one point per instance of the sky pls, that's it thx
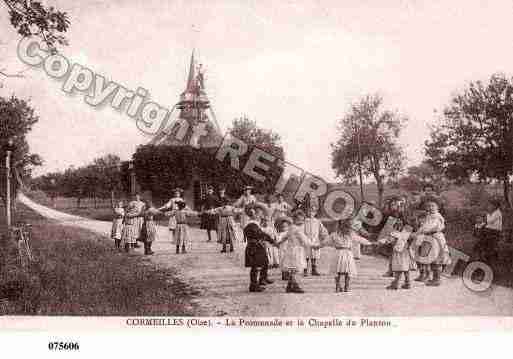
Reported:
(293, 66)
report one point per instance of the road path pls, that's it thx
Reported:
(223, 283)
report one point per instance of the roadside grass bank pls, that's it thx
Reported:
(78, 272)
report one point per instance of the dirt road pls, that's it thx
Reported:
(224, 284)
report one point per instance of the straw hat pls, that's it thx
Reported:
(278, 222)
(255, 207)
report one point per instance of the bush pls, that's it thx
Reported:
(477, 196)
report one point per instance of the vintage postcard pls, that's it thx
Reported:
(182, 166)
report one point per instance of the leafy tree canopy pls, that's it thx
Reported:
(370, 135)
(475, 137)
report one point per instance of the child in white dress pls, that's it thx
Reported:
(433, 227)
(292, 242)
(401, 260)
(117, 224)
(344, 265)
(273, 252)
(182, 236)
(422, 250)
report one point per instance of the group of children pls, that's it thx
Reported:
(136, 223)
(278, 238)
(293, 244)
(296, 242)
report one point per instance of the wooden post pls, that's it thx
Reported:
(8, 187)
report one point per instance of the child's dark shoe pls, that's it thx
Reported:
(393, 286)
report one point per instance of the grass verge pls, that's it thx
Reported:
(80, 273)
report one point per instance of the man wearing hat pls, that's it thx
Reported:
(256, 253)
(170, 206)
(208, 218)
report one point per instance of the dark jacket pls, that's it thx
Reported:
(256, 254)
(209, 221)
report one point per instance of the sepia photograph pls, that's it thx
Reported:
(255, 165)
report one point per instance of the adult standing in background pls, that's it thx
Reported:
(223, 200)
(209, 219)
(226, 232)
(141, 206)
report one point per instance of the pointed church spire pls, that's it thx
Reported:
(191, 79)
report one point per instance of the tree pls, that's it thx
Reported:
(475, 138)
(247, 130)
(419, 176)
(369, 134)
(31, 18)
(100, 179)
(16, 119)
(163, 167)
(108, 168)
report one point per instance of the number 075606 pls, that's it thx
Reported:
(57, 346)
